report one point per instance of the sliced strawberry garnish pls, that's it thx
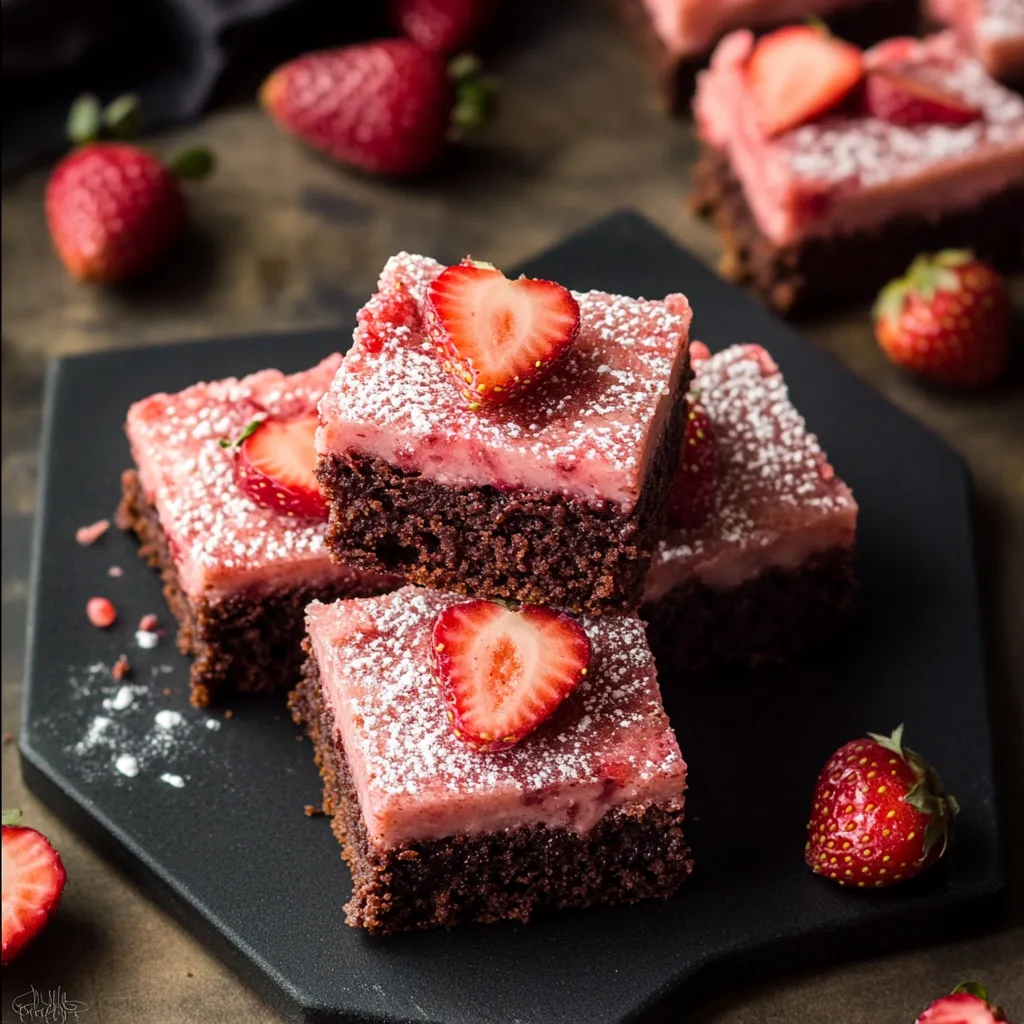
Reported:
(275, 466)
(693, 488)
(498, 336)
(907, 101)
(33, 880)
(699, 353)
(799, 73)
(502, 672)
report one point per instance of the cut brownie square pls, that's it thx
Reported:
(679, 35)
(770, 571)
(836, 208)
(992, 30)
(585, 810)
(237, 575)
(553, 498)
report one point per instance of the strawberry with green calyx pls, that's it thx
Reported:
(445, 26)
(114, 209)
(385, 107)
(947, 320)
(966, 1004)
(879, 814)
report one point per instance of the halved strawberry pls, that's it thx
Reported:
(497, 336)
(693, 487)
(502, 672)
(799, 73)
(907, 101)
(275, 466)
(33, 880)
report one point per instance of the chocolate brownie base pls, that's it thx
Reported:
(811, 274)
(675, 75)
(246, 643)
(524, 545)
(765, 620)
(632, 854)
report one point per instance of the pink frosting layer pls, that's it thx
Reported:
(778, 500)
(993, 30)
(851, 172)
(690, 27)
(222, 541)
(610, 744)
(587, 430)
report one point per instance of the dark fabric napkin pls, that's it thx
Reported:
(176, 54)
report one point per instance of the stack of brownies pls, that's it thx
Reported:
(465, 578)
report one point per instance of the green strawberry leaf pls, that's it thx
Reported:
(192, 164)
(11, 817)
(250, 429)
(84, 120)
(893, 742)
(123, 117)
(972, 988)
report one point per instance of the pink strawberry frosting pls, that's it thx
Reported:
(222, 542)
(588, 430)
(851, 172)
(691, 27)
(608, 745)
(778, 500)
(993, 30)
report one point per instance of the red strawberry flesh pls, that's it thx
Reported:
(907, 101)
(445, 26)
(33, 880)
(693, 487)
(497, 336)
(797, 74)
(503, 672)
(275, 466)
(959, 1008)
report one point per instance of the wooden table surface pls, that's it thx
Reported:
(283, 240)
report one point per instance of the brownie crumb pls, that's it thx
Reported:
(229, 713)
(313, 812)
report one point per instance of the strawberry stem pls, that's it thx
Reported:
(476, 97)
(84, 120)
(11, 817)
(251, 427)
(123, 117)
(192, 164)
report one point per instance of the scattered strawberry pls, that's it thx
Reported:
(966, 1004)
(907, 101)
(121, 669)
(86, 535)
(148, 622)
(503, 672)
(385, 106)
(693, 487)
(275, 463)
(33, 880)
(799, 73)
(879, 814)
(948, 320)
(497, 336)
(114, 210)
(100, 612)
(444, 26)
(699, 353)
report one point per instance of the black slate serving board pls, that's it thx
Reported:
(230, 853)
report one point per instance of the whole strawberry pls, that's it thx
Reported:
(445, 26)
(947, 320)
(114, 209)
(385, 107)
(966, 1004)
(879, 814)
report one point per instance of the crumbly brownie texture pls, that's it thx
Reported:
(809, 274)
(632, 854)
(675, 76)
(765, 620)
(525, 545)
(239, 643)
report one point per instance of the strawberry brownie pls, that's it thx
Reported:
(827, 170)
(225, 503)
(680, 35)
(992, 30)
(765, 567)
(483, 764)
(502, 438)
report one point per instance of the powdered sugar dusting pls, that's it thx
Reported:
(586, 429)
(870, 152)
(1002, 18)
(773, 477)
(608, 743)
(220, 537)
